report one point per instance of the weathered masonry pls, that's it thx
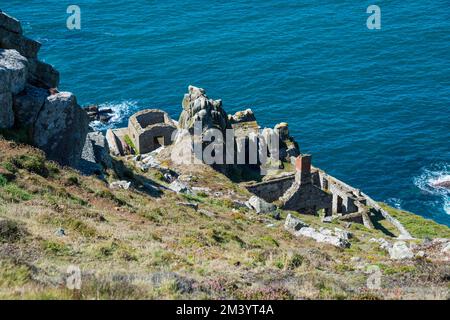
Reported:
(303, 195)
(147, 130)
(150, 129)
(310, 189)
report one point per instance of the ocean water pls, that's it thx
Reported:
(372, 106)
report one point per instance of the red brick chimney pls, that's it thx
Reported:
(303, 169)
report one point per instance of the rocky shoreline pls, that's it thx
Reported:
(283, 229)
(30, 102)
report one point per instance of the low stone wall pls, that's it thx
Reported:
(342, 188)
(346, 200)
(272, 190)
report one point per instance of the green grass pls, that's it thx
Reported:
(69, 222)
(418, 226)
(55, 248)
(130, 143)
(3, 181)
(16, 193)
(10, 231)
(13, 274)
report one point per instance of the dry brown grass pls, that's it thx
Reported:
(130, 245)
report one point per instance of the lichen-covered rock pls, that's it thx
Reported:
(13, 71)
(28, 104)
(242, 116)
(95, 155)
(198, 107)
(180, 187)
(385, 245)
(343, 234)
(400, 251)
(293, 224)
(6, 111)
(9, 23)
(288, 146)
(324, 236)
(101, 148)
(61, 129)
(261, 206)
(120, 185)
(283, 130)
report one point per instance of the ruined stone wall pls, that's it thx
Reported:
(353, 202)
(149, 118)
(154, 137)
(306, 199)
(272, 190)
(340, 188)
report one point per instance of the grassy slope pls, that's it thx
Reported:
(132, 245)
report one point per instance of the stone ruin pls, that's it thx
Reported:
(310, 190)
(303, 195)
(147, 131)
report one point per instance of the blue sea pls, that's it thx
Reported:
(371, 106)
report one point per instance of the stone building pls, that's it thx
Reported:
(150, 129)
(147, 131)
(303, 195)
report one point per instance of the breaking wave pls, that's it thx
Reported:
(121, 112)
(395, 202)
(429, 181)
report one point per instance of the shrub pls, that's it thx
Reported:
(10, 231)
(12, 274)
(3, 181)
(16, 193)
(32, 163)
(55, 248)
(295, 261)
(72, 181)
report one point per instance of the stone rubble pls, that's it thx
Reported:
(261, 206)
(125, 185)
(180, 187)
(400, 251)
(337, 238)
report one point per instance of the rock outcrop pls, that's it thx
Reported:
(442, 184)
(13, 77)
(30, 101)
(261, 206)
(28, 104)
(242, 116)
(61, 129)
(198, 107)
(288, 146)
(338, 238)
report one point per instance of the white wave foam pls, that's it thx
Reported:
(430, 178)
(395, 202)
(122, 111)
